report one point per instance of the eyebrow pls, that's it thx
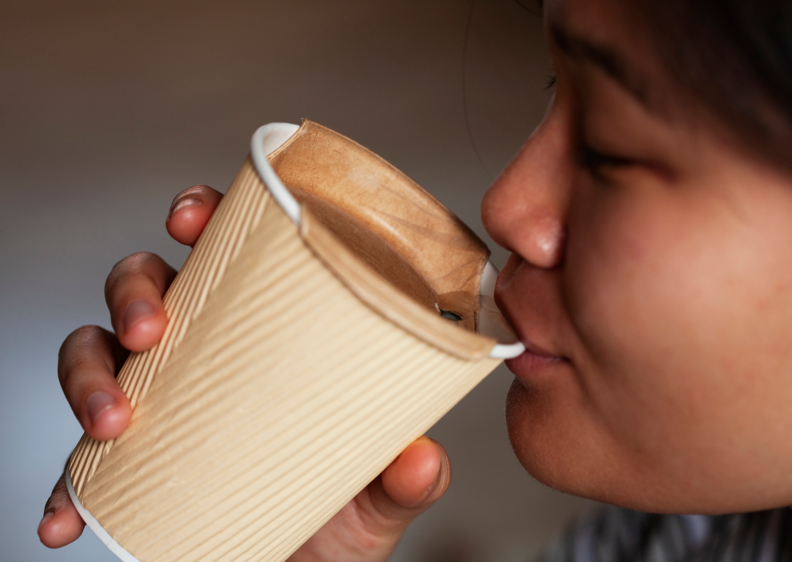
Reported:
(606, 59)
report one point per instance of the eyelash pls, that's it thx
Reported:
(595, 161)
(589, 158)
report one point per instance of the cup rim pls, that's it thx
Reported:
(269, 138)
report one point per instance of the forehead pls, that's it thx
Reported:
(599, 18)
(612, 36)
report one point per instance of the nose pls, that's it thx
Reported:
(524, 210)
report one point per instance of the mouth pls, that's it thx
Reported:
(532, 363)
(536, 358)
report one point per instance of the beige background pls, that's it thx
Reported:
(108, 109)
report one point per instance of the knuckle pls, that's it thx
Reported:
(78, 338)
(196, 188)
(60, 488)
(134, 264)
(77, 350)
(198, 191)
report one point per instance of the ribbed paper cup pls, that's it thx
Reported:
(315, 331)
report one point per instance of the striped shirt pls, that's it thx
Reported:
(621, 535)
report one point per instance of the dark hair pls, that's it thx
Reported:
(736, 57)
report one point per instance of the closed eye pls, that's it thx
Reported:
(596, 161)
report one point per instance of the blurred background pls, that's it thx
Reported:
(108, 109)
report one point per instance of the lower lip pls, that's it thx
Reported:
(529, 365)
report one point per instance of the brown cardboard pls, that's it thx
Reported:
(297, 364)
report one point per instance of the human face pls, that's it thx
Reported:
(651, 281)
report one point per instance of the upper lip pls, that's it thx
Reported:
(530, 345)
(536, 350)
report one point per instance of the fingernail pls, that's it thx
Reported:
(49, 514)
(183, 203)
(135, 312)
(98, 403)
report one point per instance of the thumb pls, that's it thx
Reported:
(369, 527)
(408, 487)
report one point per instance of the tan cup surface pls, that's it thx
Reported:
(297, 363)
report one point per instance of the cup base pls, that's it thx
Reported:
(94, 525)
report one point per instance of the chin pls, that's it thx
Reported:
(536, 449)
(557, 445)
(558, 442)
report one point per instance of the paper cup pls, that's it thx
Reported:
(315, 331)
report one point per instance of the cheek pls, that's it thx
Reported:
(639, 291)
(623, 280)
(677, 345)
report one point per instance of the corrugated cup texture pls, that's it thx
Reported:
(280, 390)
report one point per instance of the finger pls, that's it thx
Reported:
(190, 211)
(369, 527)
(408, 487)
(413, 482)
(133, 292)
(87, 363)
(61, 523)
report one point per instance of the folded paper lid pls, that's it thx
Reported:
(329, 175)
